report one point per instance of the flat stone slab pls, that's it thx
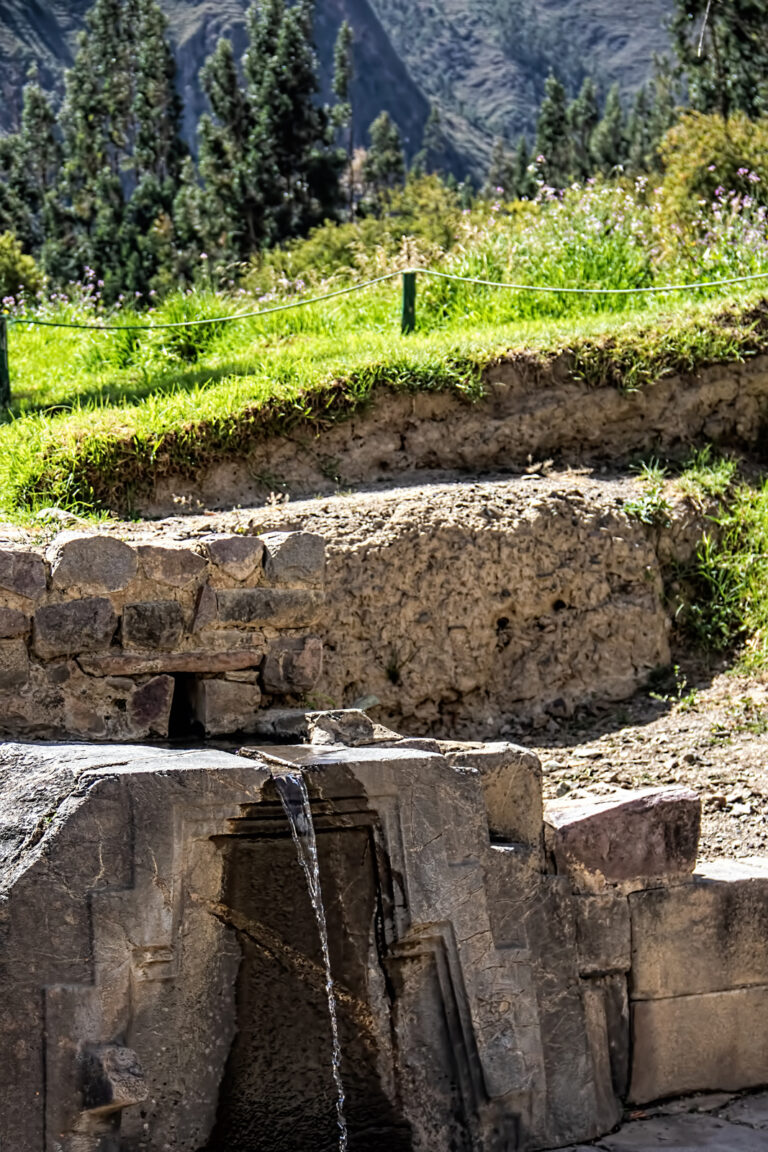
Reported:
(706, 936)
(686, 1134)
(750, 1110)
(131, 664)
(716, 1041)
(686, 1125)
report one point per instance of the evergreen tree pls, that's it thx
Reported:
(723, 51)
(429, 156)
(525, 185)
(384, 164)
(122, 148)
(500, 180)
(11, 206)
(267, 160)
(609, 146)
(299, 132)
(230, 157)
(655, 110)
(583, 118)
(189, 230)
(158, 149)
(552, 135)
(640, 142)
(29, 165)
(342, 118)
(666, 101)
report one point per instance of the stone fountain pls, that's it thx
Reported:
(504, 978)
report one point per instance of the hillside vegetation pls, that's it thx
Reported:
(482, 63)
(98, 416)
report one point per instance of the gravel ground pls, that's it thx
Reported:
(707, 729)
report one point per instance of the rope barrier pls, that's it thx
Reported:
(596, 291)
(408, 322)
(409, 272)
(195, 323)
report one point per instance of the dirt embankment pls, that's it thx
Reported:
(464, 606)
(528, 413)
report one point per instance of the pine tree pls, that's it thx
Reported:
(189, 226)
(343, 73)
(525, 185)
(299, 133)
(552, 135)
(655, 110)
(120, 124)
(500, 180)
(12, 212)
(666, 101)
(583, 118)
(234, 217)
(267, 160)
(723, 51)
(156, 106)
(343, 122)
(430, 154)
(639, 140)
(609, 145)
(384, 164)
(29, 166)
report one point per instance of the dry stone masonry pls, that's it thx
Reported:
(108, 640)
(507, 976)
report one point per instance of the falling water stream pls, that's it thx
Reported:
(295, 800)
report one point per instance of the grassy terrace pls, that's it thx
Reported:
(99, 415)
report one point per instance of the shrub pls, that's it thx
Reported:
(18, 272)
(705, 156)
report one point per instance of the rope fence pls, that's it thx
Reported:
(408, 312)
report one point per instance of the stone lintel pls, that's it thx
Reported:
(130, 664)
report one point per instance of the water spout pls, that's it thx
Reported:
(294, 797)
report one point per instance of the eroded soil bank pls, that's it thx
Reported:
(529, 413)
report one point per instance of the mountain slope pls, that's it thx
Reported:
(482, 62)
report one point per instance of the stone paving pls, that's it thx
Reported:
(715, 1122)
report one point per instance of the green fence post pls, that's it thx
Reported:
(5, 376)
(409, 302)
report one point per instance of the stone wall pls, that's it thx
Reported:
(454, 609)
(508, 977)
(462, 607)
(103, 639)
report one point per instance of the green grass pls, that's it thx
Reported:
(98, 417)
(724, 601)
